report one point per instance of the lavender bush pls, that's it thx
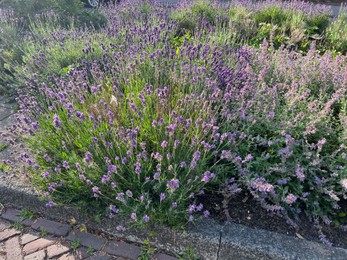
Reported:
(21, 19)
(140, 120)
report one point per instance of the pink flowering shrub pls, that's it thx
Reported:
(287, 115)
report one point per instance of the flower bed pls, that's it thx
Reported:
(142, 117)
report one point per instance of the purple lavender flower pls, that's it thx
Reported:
(237, 159)
(168, 156)
(157, 156)
(199, 207)
(173, 184)
(260, 185)
(121, 197)
(207, 176)
(290, 199)
(146, 218)
(88, 157)
(196, 156)
(78, 167)
(133, 216)
(80, 115)
(94, 89)
(191, 208)
(113, 208)
(105, 178)
(226, 155)
(50, 204)
(112, 168)
(137, 167)
(176, 144)
(95, 189)
(192, 164)
(120, 228)
(156, 176)
(56, 121)
(164, 144)
(158, 167)
(66, 165)
(45, 175)
(299, 172)
(34, 125)
(248, 158)
(162, 196)
(129, 193)
(282, 182)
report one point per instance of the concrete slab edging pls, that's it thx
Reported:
(208, 238)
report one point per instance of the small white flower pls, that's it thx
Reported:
(114, 100)
(344, 183)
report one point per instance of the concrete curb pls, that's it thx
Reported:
(208, 238)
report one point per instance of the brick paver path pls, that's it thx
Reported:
(42, 239)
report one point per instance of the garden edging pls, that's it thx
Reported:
(208, 238)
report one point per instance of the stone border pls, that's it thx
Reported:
(40, 238)
(208, 238)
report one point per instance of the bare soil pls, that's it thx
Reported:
(244, 210)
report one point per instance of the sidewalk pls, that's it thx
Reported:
(40, 238)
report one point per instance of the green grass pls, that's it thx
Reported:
(3, 147)
(4, 167)
(27, 214)
(75, 244)
(18, 225)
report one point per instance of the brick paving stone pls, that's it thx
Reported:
(67, 257)
(161, 256)
(13, 248)
(7, 233)
(4, 224)
(40, 255)
(27, 238)
(99, 257)
(13, 215)
(51, 227)
(36, 245)
(87, 239)
(123, 249)
(56, 250)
